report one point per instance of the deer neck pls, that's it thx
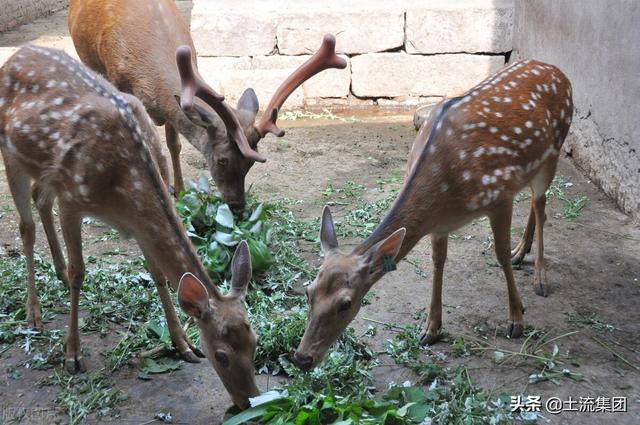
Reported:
(410, 210)
(419, 205)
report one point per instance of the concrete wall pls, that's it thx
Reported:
(597, 44)
(18, 12)
(403, 52)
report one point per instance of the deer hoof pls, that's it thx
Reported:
(34, 321)
(515, 330)
(198, 352)
(75, 365)
(517, 258)
(429, 339)
(190, 357)
(541, 289)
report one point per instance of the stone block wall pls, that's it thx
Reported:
(597, 47)
(17, 12)
(404, 52)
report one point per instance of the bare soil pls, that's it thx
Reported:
(593, 269)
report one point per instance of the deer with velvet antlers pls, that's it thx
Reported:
(95, 150)
(108, 37)
(469, 159)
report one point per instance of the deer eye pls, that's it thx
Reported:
(223, 162)
(344, 305)
(222, 358)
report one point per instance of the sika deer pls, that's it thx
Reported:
(96, 150)
(473, 155)
(133, 44)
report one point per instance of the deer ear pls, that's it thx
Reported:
(247, 108)
(200, 115)
(193, 296)
(240, 270)
(328, 239)
(381, 258)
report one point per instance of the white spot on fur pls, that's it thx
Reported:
(84, 190)
(466, 175)
(528, 124)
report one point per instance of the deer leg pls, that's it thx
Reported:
(501, 226)
(20, 187)
(187, 350)
(71, 231)
(431, 333)
(540, 276)
(524, 245)
(173, 143)
(45, 207)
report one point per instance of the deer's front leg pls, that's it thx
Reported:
(431, 332)
(501, 226)
(540, 285)
(173, 143)
(71, 230)
(185, 347)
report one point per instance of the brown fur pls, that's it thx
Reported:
(470, 158)
(96, 151)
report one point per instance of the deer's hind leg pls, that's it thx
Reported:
(20, 187)
(524, 245)
(44, 204)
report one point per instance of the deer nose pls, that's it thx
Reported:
(237, 207)
(303, 361)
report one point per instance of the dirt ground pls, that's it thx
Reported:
(593, 268)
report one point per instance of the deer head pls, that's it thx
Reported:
(231, 153)
(335, 297)
(225, 332)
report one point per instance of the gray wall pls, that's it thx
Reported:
(18, 12)
(597, 44)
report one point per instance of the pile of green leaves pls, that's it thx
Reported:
(457, 402)
(215, 231)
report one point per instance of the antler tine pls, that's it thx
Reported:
(194, 85)
(324, 58)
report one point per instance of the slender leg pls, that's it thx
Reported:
(501, 226)
(189, 352)
(173, 142)
(524, 245)
(20, 186)
(540, 285)
(431, 333)
(71, 231)
(45, 206)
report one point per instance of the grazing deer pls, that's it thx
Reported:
(472, 156)
(133, 44)
(95, 149)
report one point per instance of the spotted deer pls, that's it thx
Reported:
(95, 150)
(470, 159)
(108, 38)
